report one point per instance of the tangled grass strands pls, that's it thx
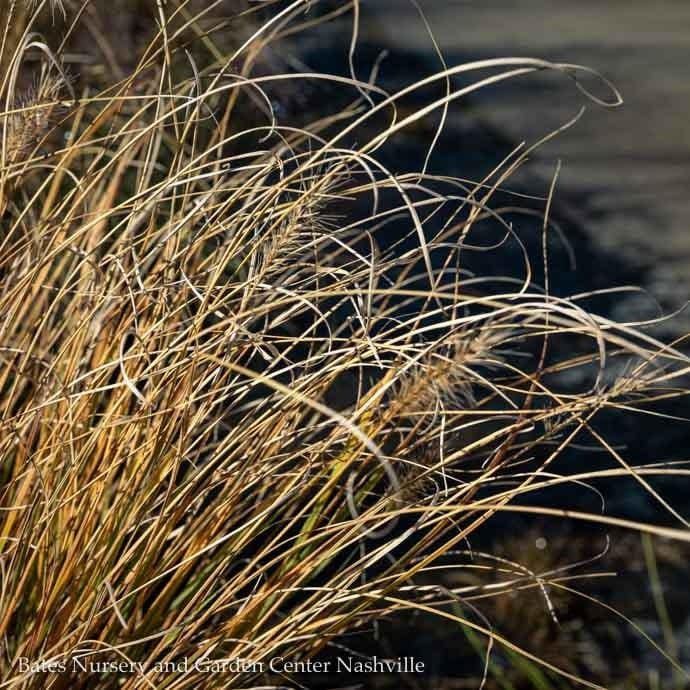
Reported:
(238, 419)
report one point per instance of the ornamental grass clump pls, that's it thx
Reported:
(236, 423)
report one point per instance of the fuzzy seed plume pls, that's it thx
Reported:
(35, 114)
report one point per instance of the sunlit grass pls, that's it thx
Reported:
(233, 423)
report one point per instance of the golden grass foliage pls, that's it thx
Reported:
(232, 424)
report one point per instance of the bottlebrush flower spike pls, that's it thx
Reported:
(34, 115)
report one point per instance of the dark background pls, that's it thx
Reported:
(623, 199)
(626, 171)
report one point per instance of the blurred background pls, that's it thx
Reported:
(623, 202)
(626, 171)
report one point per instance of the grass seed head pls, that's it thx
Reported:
(34, 115)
